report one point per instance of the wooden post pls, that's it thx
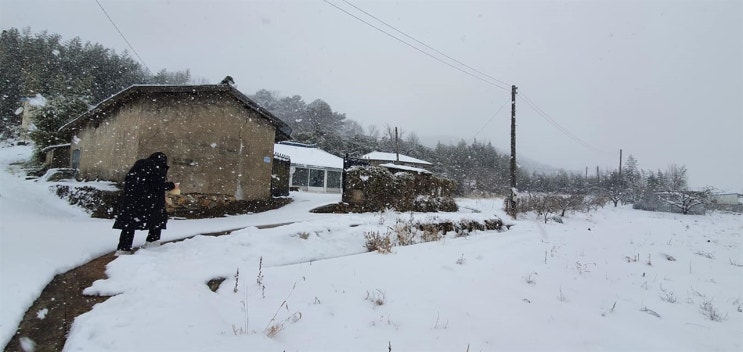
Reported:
(620, 165)
(512, 197)
(397, 147)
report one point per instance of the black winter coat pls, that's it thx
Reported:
(142, 206)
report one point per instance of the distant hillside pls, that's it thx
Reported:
(524, 161)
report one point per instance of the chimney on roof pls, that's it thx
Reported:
(228, 81)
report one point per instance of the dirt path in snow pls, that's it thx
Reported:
(48, 321)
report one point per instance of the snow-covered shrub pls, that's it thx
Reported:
(99, 203)
(684, 202)
(404, 232)
(548, 205)
(430, 233)
(369, 189)
(377, 242)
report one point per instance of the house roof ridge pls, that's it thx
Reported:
(387, 156)
(134, 89)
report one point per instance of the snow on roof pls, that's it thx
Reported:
(405, 168)
(56, 146)
(393, 157)
(303, 154)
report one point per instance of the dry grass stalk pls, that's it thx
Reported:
(377, 242)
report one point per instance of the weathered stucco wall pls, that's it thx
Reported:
(214, 145)
(108, 149)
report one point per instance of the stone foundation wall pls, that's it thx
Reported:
(177, 203)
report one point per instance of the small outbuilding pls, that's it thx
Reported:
(378, 158)
(727, 198)
(727, 202)
(218, 140)
(312, 169)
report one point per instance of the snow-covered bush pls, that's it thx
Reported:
(97, 202)
(370, 189)
(377, 242)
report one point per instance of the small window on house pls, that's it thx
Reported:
(300, 177)
(334, 179)
(317, 178)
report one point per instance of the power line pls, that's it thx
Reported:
(124, 37)
(491, 119)
(416, 48)
(554, 123)
(426, 45)
(477, 73)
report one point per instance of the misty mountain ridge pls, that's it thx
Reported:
(524, 162)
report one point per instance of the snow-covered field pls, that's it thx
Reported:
(615, 279)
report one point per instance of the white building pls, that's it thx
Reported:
(312, 169)
(398, 162)
(27, 114)
(727, 198)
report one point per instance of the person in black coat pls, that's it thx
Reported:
(142, 205)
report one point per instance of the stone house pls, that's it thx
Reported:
(218, 140)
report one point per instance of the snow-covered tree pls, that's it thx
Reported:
(685, 201)
(44, 64)
(676, 178)
(48, 119)
(632, 176)
(172, 78)
(614, 187)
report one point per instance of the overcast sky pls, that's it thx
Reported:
(662, 80)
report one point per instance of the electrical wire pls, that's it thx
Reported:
(416, 48)
(124, 37)
(491, 119)
(481, 75)
(427, 46)
(474, 73)
(554, 123)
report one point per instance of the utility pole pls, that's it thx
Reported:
(620, 165)
(512, 198)
(397, 147)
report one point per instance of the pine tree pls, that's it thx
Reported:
(11, 81)
(58, 111)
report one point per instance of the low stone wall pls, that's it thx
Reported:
(180, 202)
(734, 208)
(371, 188)
(201, 206)
(105, 204)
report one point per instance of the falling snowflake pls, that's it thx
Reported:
(42, 313)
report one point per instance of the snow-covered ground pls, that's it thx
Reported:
(615, 279)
